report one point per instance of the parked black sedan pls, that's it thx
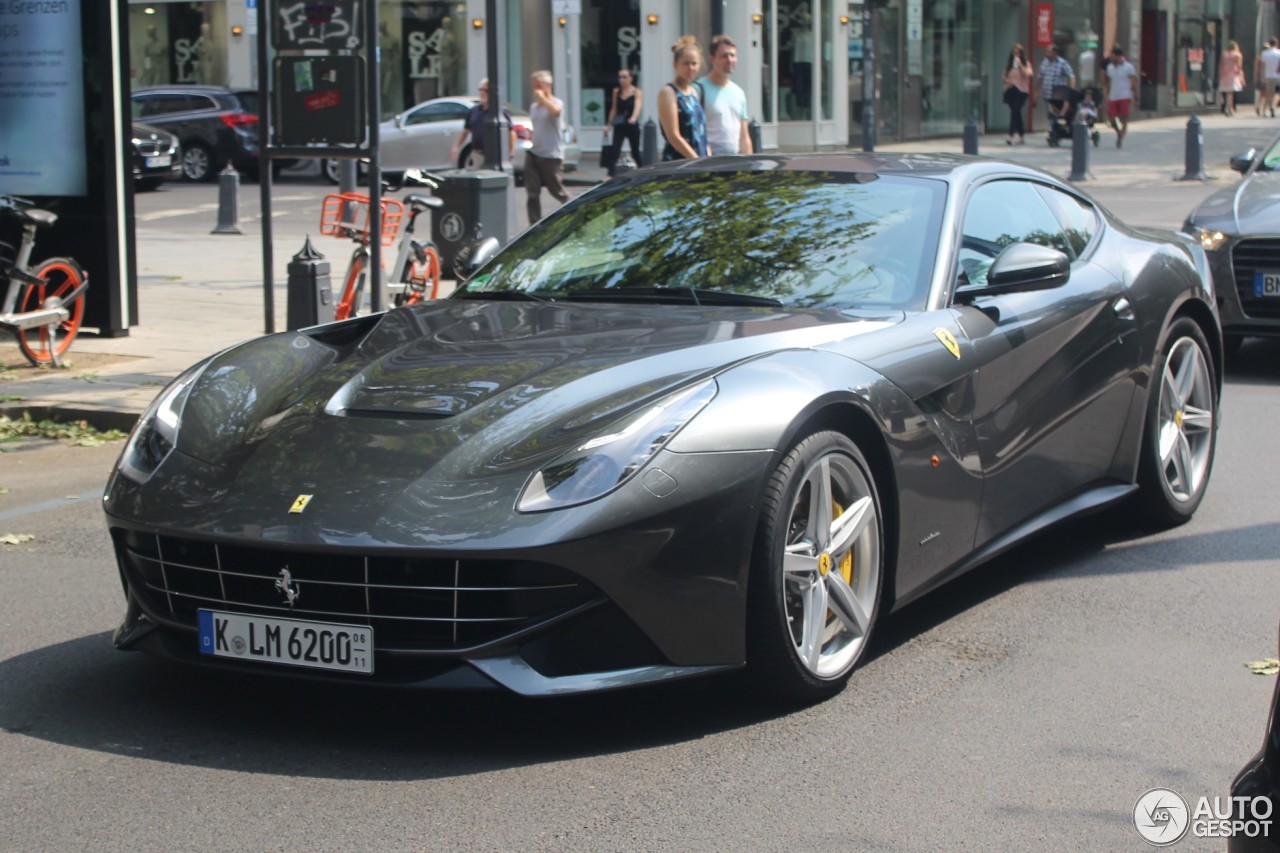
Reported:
(1239, 226)
(713, 414)
(156, 156)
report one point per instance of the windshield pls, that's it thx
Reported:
(799, 239)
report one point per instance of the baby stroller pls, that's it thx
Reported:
(1064, 106)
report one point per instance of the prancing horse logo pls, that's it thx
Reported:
(286, 586)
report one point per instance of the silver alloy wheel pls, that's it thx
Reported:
(1185, 439)
(195, 163)
(831, 565)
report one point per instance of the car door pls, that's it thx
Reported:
(1056, 367)
(421, 138)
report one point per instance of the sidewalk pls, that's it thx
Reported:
(188, 314)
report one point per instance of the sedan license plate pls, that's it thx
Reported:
(1266, 283)
(321, 645)
(159, 162)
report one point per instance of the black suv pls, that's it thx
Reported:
(214, 125)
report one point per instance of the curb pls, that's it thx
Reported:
(99, 419)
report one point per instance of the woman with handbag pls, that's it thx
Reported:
(624, 118)
(1230, 76)
(1017, 88)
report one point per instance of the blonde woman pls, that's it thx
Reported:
(684, 125)
(1230, 76)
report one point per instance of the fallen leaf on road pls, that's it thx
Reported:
(15, 538)
(1270, 666)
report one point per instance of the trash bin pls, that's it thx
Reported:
(475, 206)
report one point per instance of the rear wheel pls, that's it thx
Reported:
(352, 289)
(423, 279)
(197, 162)
(817, 570)
(1181, 429)
(61, 277)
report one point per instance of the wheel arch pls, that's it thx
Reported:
(1202, 315)
(849, 418)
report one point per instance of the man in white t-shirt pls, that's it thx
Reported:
(1270, 59)
(724, 102)
(1120, 85)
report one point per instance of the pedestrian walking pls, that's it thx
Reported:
(1230, 76)
(1270, 59)
(1055, 73)
(544, 161)
(684, 125)
(624, 117)
(1119, 83)
(724, 102)
(473, 127)
(1259, 85)
(1017, 88)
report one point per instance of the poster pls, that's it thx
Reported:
(42, 134)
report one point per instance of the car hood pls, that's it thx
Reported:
(437, 412)
(1250, 207)
(470, 389)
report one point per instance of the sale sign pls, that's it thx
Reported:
(1044, 24)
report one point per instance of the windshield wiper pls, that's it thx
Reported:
(678, 295)
(501, 295)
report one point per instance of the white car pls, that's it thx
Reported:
(421, 138)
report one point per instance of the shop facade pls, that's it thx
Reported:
(937, 63)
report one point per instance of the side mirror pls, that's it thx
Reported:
(1241, 162)
(1022, 267)
(473, 256)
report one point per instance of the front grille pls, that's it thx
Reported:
(411, 603)
(1248, 257)
(150, 147)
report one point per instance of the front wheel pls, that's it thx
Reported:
(422, 279)
(817, 570)
(197, 162)
(1181, 428)
(352, 289)
(60, 278)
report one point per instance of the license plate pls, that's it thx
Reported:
(159, 161)
(1266, 284)
(320, 645)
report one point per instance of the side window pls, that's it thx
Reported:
(1079, 219)
(1000, 214)
(432, 113)
(201, 102)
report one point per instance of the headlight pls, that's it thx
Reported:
(1210, 239)
(606, 461)
(156, 434)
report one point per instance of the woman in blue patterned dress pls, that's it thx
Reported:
(684, 125)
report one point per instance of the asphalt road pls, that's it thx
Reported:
(1024, 707)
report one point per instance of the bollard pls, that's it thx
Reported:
(228, 201)
(649, 145)
(1195, 152)
(625, 164)
(971, 136)
(1079, 151)
(753, 133)
(310, 298)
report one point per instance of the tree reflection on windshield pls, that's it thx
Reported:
(807, 239)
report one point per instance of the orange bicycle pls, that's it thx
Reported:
(416, 273)
(43, 305)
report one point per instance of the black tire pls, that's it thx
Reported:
(197, 162)
(147, 185)
(330, 170)
(1180, 434)
(799, 560)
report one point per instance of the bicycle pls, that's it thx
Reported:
(43, 305)
(416, 271)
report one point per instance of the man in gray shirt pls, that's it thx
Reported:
(544, 162)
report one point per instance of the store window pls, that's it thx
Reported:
(610, 41)
(795, 60)
(953, 72)
(177, 43)
(424, 53)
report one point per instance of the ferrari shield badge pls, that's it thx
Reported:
(300, 503)
(948, 340)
